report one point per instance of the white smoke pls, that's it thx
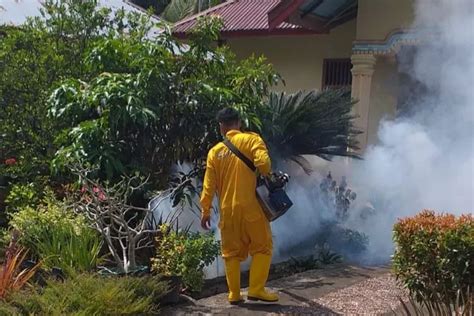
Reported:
(426, 160)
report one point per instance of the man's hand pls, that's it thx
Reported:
(206, 222)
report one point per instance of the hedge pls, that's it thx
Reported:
(434, 255)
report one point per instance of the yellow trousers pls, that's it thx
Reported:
(242, 237)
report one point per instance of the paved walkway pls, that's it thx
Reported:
(335, 290)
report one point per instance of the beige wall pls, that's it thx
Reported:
(377, 18)
(299, 59)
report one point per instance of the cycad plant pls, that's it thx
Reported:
(310, 123)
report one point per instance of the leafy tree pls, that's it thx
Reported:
(154, 102)
(27, 73)
(33, 58)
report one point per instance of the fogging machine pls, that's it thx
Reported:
(270, 190)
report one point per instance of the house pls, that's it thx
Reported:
(317, 44)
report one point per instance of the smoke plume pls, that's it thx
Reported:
(424, 158)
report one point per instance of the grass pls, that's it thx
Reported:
(89, 294)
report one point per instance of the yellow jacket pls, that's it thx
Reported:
(233, 181)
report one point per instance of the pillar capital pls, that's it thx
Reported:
(363, 64)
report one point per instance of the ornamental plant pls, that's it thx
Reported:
(23, 195)
(434, 256)
(309, 123)
(184, 254)
(124, 228)
(12, 276)
(57, 236)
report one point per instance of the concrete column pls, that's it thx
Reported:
(362, 70)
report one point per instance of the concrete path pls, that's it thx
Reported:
(299, 294)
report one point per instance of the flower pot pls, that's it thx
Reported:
(115, 271)
(174, 285)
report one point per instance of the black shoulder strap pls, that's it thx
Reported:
(239, 154)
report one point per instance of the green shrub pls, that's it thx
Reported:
(91, 295)
(349, 243)
(185, 254)
(23, 195)
(296, 265)
(33, 58)
(58, 237)
(434, 256)
(326, 256)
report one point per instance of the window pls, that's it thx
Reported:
(337, 73)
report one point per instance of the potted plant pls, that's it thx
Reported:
(181, 258)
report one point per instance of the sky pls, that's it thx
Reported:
(16, 11)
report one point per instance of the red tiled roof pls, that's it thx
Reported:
(242, 17)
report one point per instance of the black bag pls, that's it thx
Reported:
(270, 190)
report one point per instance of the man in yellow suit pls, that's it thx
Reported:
(244, 227)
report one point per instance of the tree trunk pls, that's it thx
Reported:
(112, 250)
(131, 254)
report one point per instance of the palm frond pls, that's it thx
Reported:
(179, 9)
(303, 163)
(310, 123)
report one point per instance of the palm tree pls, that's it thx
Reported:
(158, 6)
(180, 9)
(310, 123)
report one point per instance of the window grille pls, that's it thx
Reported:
(337, 73)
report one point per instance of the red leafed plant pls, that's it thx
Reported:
(12, 277)
(434, 258)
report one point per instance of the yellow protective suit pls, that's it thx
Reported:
(244, 227)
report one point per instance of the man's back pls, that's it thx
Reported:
(233, 181)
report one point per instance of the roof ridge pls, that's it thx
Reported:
(202, 13)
